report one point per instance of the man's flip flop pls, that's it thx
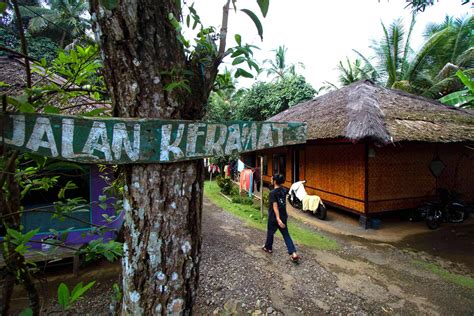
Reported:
(267, 250)
(295, 259)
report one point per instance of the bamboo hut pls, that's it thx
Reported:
(372, 150)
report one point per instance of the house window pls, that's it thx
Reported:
(78, 219)
(279, 164)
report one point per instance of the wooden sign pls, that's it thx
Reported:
(124, 141)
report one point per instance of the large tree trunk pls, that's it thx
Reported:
(163, 202)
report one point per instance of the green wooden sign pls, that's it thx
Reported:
(125, 141)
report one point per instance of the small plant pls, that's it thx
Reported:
(234, 191)
(265, 195)
(225, 184)
(66, 298)
(242, 200)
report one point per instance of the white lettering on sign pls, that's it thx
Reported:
(279, 127)
(98, 140)
(166, 147)
(120, 138)
(113, 140)
(193, 134)
(43, 128)
(249, 136)
(233, 140)
(266, 136)
(212, 145)
(67, 138)
(18, 137)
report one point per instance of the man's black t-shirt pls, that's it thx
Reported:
(277, 195)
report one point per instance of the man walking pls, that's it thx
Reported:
(277, 218)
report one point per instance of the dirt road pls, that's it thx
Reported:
(360, 278)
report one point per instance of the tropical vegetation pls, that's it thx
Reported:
(430, 71)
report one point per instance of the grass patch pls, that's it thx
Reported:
(446, 275)
(251, 215)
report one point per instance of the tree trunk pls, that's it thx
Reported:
(163, 202)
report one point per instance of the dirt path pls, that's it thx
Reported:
(359, 278)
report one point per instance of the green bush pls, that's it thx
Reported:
(242, 200)
(265, 194)
(235, 191)
(225, 184)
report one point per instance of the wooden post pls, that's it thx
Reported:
(261, 187)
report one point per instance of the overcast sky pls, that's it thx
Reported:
(319, 33)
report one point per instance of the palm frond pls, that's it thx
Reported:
(406, 50)
(466, 59)
(368, 64)
(423, 53)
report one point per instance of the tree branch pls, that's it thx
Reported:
(223, 33)
(24, 47)
(14, 52)
(50, 92)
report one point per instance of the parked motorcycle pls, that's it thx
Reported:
(297, 193)
(448, 209)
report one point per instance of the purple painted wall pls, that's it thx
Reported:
(76, 237)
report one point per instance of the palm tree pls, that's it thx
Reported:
(431, 70)
(391, 53)
(452, 51)
(279, 66)
(352, 71)
(61, 20)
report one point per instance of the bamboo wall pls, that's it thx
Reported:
(336, 172)
(459, 172)
(400, 177)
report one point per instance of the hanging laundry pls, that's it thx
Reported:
(227, 171)
(242, 181)
(240, 165)
(250, 183)
(213, 168)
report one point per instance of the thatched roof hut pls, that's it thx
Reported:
(371, 149)
(364, 110)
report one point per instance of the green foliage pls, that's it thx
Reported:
(430, 71)
(264, 100)
(19, 240)
(255, 20)
(279, 68)
(66, 298)
(98, 248)
(63, 21)
(245, 200)
(462, 98)
(266, 196)
(27, 312)
(421, 5)
(38, 47)
(225, 184)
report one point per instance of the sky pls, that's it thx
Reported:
(320, 33)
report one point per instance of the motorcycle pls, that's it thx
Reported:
(297, 193)
(448, 209)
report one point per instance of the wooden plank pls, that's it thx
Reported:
(125, 141)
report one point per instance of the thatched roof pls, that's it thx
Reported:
(13, 73)
(364, 110)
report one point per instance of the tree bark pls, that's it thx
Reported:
(163, 202)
